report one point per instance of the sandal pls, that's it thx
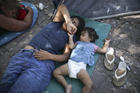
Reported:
(109, 59)
(120, 74)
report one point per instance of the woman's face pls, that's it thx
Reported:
(8, 12)
(84, 37)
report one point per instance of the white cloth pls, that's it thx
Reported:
(75, 67)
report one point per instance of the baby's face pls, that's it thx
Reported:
(85, 37)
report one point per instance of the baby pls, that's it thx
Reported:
(81, 56)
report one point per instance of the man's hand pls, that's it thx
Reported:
(42, 55)
(71, 28)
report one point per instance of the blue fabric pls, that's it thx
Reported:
(8, 36)
(83, 52)
(25, 74)
(51, 37)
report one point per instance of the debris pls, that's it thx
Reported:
(41, 6)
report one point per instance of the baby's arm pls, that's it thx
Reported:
(104, 48)
(71, 42)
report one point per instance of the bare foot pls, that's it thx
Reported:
(69, 89)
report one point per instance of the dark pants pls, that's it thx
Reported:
(2, 31)
(25, 74)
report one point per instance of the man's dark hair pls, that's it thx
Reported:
(80, 27)
(81, 24)
(91, 33)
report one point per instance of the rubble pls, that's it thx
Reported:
(125, 36)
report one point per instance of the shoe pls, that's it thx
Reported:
(120, 74)
(109, 59)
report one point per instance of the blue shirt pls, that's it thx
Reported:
(51, 38)
(83, 52)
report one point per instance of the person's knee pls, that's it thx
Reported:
(56, 72)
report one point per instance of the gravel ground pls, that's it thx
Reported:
(124, 36)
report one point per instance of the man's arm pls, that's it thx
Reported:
(12, 24)
(62, 14)
(63, 57)
(44, 55)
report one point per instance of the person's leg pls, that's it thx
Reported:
(15, 67)
(59, 75)
(86, 80)
(34, 79)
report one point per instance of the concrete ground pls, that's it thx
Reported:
(124, 36)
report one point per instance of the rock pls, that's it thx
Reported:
(119, 53)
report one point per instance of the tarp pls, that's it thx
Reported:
(102, 30)
(98, 9)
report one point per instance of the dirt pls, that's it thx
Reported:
(125, 39)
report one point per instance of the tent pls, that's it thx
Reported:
(99, 9)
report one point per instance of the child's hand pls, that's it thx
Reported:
(107, 41)
(70, 35)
